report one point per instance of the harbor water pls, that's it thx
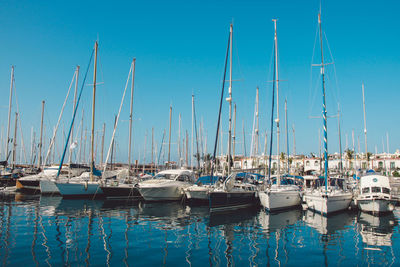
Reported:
(51, 231)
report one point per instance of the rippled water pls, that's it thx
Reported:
(41, 231)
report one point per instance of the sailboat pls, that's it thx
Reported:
(85, 185)
(284, 194)
(233, 193)
(328, 198)
(124, 186)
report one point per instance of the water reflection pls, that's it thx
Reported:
(52, 231)
(377, 231)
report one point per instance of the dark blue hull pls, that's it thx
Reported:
(220, 201)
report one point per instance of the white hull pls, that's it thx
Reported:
(84, 189)
(279, 198)
(197, 193)
(326, 203)
(375, 205)
(48, 186)
(153, 190)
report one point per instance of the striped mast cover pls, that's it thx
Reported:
(324, 105)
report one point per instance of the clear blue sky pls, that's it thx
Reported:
(180, 48)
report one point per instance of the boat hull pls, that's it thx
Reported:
(376, 206)
(121, 192)
(279, 200)
(161, 193)
(220, 200)
(79, 190)
(327, 204)
(28, 186)
(48, 187)
(197, 195)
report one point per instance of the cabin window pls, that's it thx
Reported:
(376, 189)
(183, 178)
(385, 190)
(365, 190)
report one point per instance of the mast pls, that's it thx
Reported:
(340, 142)
(234, 133)
(32, 143)
(287, 138)
(102, 142)
(152, 148)
(191, 148)
(179, 142)
(354, 152)
(130, 114)
(93, 113)
(169, 138)
(144, 151)
(187, 145)
(277, 104)
(81, 141)
(230, 101)
(9, 111)
(365, 126)
(324, 104)
(197, 138)
(14, 156)
(41, 136)
(75, 96)
(257, 125)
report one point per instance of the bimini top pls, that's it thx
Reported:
(374, 180)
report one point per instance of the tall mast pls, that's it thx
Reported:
(73, 111)
(324, 104)
(277, 103)
(81, 140)
(187, 145)
(15, 141)
(102, 142)
(230, 101)
(179, 142)
(257, 125)
(130, 114)
(287, 138)
(365, 126)
(144, 151)
(340, 142)
(354, 151)
(192, 144)
(9, 111)
(152, 147)
(41, 136)
(234, 132)
(32, 143)
(93, 113)
(169, 138)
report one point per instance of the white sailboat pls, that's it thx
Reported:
(326, 199)
(279, 196)
(85, 185)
